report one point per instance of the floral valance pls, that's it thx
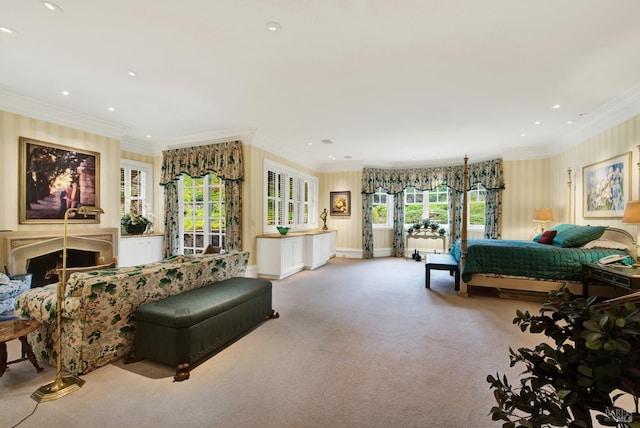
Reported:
(488, 173)
(223, 159)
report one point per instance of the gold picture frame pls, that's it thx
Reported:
(606, 187)
(53, 178)
(340, 203)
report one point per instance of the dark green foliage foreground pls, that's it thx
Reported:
(591, 351)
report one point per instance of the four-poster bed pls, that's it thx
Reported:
(532, 271)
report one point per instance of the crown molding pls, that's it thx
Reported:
(245, 135)
(528, 152)
(30, 107)
(142, 147)
(609, 115)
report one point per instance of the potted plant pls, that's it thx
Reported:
(592, 351)
(134, 224)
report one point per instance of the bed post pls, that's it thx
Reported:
(463, 236)
(569, 214)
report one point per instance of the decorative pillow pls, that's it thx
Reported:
(577, 236)
(547, 237)
(558, 228)
(606, 243)
(211, 250)
(4, 279)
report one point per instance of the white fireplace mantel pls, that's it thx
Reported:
(18, 247)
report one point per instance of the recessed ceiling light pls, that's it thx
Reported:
(556, 106)
(111, 109)
(327, 141)
(537, 122)
(523, 135)
(347, 157)
(273, 26)
(569, 122)
(132, 73)
(8, 31)
(65, 93)
(148, 135)
(309, 144)
(51, 6)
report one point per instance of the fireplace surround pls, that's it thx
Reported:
(18, 248)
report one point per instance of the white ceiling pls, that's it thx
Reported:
(390, 82)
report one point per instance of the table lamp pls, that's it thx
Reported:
(632, 215)
(542, 216)
(62, 386)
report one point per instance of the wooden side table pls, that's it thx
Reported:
(17, 329)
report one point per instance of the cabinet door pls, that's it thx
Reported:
(135, 251)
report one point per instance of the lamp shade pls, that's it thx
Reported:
(543, 214)
(632, 213)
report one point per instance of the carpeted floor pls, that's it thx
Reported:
(359, 343)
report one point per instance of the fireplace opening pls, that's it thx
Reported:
(44, 268)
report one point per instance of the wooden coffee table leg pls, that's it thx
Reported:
(26, 349)
(3, 358)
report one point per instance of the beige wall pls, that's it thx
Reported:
(13, 126)
(349, 228)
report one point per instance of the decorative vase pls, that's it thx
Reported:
(136, 229)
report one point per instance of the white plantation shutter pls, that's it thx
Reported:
(290, 198)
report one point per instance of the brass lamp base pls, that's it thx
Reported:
(57, 389)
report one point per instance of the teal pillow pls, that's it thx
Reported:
(558, 228)
(577, 236)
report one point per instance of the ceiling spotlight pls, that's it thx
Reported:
(569, 122)
(8, 31)
(537, 122)
(523, 135)
(51, 6)
(273, 26)
(309, 144)
(132, 73)
(555, 106)
(148, 135)
(111, 109)
(65, 93)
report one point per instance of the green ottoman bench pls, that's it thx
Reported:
(183, 329)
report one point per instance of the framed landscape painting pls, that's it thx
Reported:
(53, 178)
(340, 203)
(606, 187)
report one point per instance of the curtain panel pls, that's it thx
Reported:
(223, 159)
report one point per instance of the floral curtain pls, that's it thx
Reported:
(488, 173)
(223, 159)
(398, 225)
(493, 214)
(367, 228)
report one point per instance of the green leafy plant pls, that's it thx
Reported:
(132, 219)
(591, 352)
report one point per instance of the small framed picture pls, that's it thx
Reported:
(341, 203)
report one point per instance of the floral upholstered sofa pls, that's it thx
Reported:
(98, 324)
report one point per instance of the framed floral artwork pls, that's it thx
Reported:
(340, 203)
(606, 187)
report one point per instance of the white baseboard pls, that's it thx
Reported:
(251, 272)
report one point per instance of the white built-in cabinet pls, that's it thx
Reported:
(281, 256)
(136, 250)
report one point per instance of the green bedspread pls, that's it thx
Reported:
(527, 259)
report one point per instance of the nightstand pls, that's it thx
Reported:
(614, 274)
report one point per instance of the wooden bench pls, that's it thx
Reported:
(442, 262)
(185, 328)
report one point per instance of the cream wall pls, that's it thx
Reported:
(13, 126)
(349, 228)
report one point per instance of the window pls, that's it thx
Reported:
(476, 205)
(290, 198)
(382, 208)
(203, 213)
(136, 193)
(432, 204)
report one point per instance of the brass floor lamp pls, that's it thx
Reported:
(62, 386)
